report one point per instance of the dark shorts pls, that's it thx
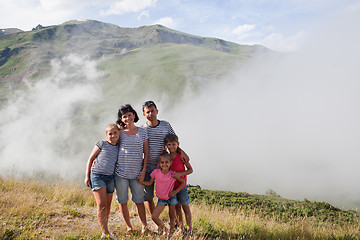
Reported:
(149, 190)
(183, 197)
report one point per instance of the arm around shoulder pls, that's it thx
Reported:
(189, 168)
(184, 156)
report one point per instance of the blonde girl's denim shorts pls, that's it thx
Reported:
(99, 181)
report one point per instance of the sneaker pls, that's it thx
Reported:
(108, 236)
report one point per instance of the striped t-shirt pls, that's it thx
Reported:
(106, 159)
(157, 135)
(131, 155)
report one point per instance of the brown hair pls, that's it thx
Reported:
(171, 138)
(148, 104)
(165, 154)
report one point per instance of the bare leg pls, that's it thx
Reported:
(172, 215)
(155, 217)
(108, 207)
(188, 217)
(103, 209)
(150, 206)
(142, 214)
(124, 210)
(179, 217)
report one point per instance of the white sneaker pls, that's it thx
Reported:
(108, 236)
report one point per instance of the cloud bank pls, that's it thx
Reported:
(44, 129)
(289, 123)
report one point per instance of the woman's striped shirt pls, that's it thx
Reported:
(131, 155)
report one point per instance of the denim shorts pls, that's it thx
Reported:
(171, 201)
(149, 190)
(122, 186)
(183, 197)
(99, 181)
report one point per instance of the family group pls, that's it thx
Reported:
(139, 158)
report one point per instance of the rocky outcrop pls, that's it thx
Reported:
(6, 54)
(38, 27)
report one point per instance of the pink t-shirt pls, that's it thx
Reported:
(164, 183)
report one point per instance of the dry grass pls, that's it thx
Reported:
(219, 223)
(31, 209)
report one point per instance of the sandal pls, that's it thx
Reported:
(145, 230)
(128, 232)
(161, 231)
(107, 236)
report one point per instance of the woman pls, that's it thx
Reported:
(131, 165)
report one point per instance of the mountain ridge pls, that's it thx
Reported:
(28, 54)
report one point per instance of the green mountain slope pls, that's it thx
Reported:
(157, 55)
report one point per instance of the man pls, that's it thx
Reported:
(157, 131)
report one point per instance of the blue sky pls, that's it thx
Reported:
(281, 25)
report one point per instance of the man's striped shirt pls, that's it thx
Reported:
(157, 135)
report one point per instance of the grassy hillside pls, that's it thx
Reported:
(153, 54)
(170, 68)
(31, 209)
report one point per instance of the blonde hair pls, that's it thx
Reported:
(111, 126)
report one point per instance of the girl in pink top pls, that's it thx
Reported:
(164, 184)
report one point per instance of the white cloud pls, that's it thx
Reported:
(244, 31)
(54, 4)
(352, 8)
(73, 82)
(241, 29)
(143, 14)
(278, 42)
(269, 28)
(297, 120)
(166, 21)
(267, 37)
(128, 6)
(31, 13)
